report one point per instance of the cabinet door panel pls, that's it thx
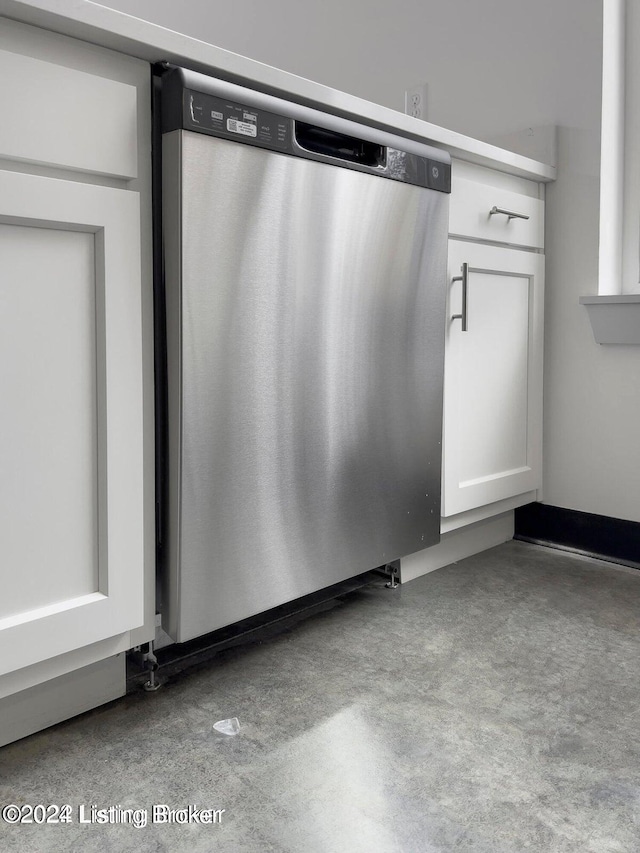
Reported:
(59, 116)
(493, 377)
(70, 380)
(497, 348)
(48, 452)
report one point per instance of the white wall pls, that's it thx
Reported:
(592, 392)
(493, 68)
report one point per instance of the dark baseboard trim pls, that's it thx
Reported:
(611, 539)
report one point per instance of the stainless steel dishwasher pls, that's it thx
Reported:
(304, 266)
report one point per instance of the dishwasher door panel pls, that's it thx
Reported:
(306, 408)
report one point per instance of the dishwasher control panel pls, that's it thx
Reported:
(236, 121)
(193, 102)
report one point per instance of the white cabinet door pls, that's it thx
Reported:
(493, 377)
(71, 507)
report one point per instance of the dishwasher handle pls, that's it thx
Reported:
(330, 143)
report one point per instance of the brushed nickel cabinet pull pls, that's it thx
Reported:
(508, 213)
(464, 278)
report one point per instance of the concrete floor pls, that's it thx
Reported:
(493, 705)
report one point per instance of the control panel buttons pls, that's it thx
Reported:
(236, 121)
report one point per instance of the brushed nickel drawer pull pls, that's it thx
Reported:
(464, 278)
(508, 213)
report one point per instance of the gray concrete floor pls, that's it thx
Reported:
(493, 705)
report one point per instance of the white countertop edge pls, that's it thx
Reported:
(112, 29)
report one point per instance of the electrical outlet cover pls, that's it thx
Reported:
(415, 101)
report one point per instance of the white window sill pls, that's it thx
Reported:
(614, 319)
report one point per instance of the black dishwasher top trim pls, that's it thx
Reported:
(245, 120)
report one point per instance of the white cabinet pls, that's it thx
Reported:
(492, 424)
(71, 499)
(493, 368)
(493, 377)
(67, 117)
(76, 373)
(495, 214)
